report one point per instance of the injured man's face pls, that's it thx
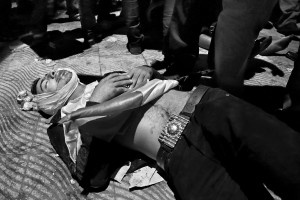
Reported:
(53, 81)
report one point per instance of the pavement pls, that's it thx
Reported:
(29, 166)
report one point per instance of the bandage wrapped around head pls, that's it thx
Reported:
(49, 102)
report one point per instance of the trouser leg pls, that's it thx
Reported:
(246, 139)
(131, 11)
(185, 27)
(291, 112)
(87, 14)
(5, 10)
(167, 15)
(104, 9)
(181, 43)
(238, 26)
(293, 84)
(38, 19)
(72, 7)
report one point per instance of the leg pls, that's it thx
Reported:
(167, 15)
(73, 9)
(293, 84)
(246, 139)
(87, 16)
(238, 26)
(38, 19)
(104, 9)
(5, 31)
(131, 11)
(291, 112)
(181, 42)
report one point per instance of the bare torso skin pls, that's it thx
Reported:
(149, 121)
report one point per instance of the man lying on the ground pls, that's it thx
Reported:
(210, 144)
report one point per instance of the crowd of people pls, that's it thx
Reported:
(210, 137)
(232, 26)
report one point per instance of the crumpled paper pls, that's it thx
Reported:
(142, 177)
(120, 173)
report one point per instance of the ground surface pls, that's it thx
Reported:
(29, 167)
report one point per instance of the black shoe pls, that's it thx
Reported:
(135, 40)
(182, 66)
(89, 38)
(92, 36)
(165, 63)
(289, 29)
(136, 47)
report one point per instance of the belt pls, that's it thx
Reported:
(171, 133)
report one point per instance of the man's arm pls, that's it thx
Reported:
(116, 83)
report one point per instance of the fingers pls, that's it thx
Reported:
(115, 77)
(135, 78)
(139, 79)
(123, 83)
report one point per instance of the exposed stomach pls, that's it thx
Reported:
(149, 121)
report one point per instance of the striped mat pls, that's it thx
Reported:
(29, 166)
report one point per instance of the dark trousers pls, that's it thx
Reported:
(39, 14)
(237, 28)
(72, 7)
(90, 8)
(132, 13)
(230, 149)
(5, 10)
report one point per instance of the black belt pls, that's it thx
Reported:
(176, 125)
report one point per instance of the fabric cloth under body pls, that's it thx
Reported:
(290, 11)
(230, 149)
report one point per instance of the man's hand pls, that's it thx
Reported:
(140, 74)
(110, 87)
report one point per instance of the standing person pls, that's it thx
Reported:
(238, 26)
(94, 30)
(133, 11)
